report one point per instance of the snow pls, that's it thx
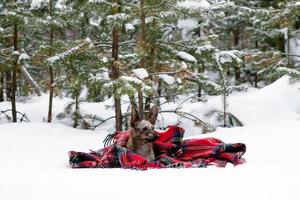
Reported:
(289, 71)
(204, 48)
(35, 163)
(167, 78)
(187, 25)
(35, 107)
(95, 21)
(100, 76)
(294, 49)
(104, 60)
(88, 40)
(140, 73)
(61, 4)
(131, 80)
(185, 56)
(285, 32)
(96, 1)
(24, 56)
(118, 16)
(228, 57)
(167, 14)
(73, 50)
(129, 27)
(183, 65)
(61, 56)
(36, 4)
(16, 53)
(178, 80)
(194, 4)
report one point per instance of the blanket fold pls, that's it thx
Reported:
(170, 150)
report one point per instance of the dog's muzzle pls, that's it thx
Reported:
(152, 138)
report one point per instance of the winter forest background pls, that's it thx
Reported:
(149, 51)
(226, 68)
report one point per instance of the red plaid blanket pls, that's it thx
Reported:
(170, 150)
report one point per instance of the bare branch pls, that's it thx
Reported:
(29, 79)
(206, 127)
(23, 115)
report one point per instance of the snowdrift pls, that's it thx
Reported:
(34, 161)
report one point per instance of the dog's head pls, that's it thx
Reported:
(143, 129)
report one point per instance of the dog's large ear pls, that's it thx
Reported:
(135, 117)
(152, 116)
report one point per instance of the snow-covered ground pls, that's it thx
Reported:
(34, 161)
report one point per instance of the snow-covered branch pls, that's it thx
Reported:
(59, 57)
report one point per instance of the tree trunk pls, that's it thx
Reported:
(76, 113)
(143, 33)
(236, 37)
(224, 110)
(20, 90)
(115, 72)
(255, 80)
(118, 113)
(147, 104)
(14, 77)
(51, 92)
(140, 99)
(82, 26)
(237, 73)
(159, 91)
(236, 42)
(287, 50)
(142, 44)
(199, 91)
(256, 44)
(1, 86)
(152, 60)
(51, 81)
(8, 85)
(224, 107)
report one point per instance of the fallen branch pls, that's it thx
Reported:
(179, 105)
(23, 118)
(198, 122)
(30, 80)
(206, 127)
(169, 95)
(103, 121)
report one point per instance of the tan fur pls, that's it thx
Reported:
(141, 147)
(140, 141)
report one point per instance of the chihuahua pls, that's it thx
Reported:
(142, 133)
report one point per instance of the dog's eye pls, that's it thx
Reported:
(145, 129)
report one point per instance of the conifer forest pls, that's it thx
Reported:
(149, 50)
(134, 86)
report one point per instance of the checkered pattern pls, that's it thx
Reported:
(170, 149)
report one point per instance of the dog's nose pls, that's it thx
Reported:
(152, 137)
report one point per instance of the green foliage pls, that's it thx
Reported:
(218, 117)
(226, 40)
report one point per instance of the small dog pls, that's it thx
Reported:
(142, 134)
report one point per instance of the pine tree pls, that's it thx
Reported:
(13, 15)
(78, 64)
(50, 16)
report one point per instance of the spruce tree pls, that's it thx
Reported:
(13, 17)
